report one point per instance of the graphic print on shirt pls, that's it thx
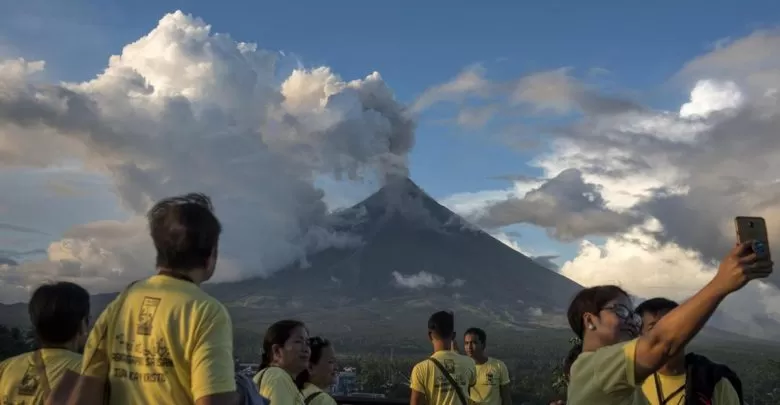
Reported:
(146, 316)
(30, 382)
(489, 380)
(142, 357)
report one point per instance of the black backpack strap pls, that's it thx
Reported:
(311, 397)
(732, 378)
(703, 375)
(452, 381)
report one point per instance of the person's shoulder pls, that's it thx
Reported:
(468, 361)
(276, 374)
(11, 361)
(422, 366)
(421, 363)
(606, 353)
(498, 362)
(310, 389)
(627, 347)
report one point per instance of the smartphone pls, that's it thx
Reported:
(753, 228)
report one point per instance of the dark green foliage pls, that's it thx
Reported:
(14, 341)
(535, 366)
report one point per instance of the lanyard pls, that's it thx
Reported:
(660, 392)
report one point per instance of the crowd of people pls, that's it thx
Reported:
(164, 340)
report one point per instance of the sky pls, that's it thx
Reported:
(614, 141)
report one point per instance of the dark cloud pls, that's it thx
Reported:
(17, 228)
(567, 206)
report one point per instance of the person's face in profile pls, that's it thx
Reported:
(616, 322)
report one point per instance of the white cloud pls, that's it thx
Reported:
(185, 109)
(422, 279)
(709, 96)
(685, 171)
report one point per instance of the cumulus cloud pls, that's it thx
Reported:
(673, 180)
(185, 109)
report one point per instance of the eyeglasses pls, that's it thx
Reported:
(625, 313)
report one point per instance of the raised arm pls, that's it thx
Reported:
(673, 332)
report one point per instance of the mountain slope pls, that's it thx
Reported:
(415, 256)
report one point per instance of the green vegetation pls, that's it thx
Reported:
(14, 341)
(535, 365)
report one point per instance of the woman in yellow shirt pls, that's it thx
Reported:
(321, 374)
(285, 355)
(613, 364)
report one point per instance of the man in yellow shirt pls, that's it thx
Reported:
(59, 314)
(492, 386)
(445, 377)
(687, 375)
(164, 340)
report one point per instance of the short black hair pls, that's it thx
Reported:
(442, 324)
(57, 311)
(655, 306)
(479, 333)
(184, 230)
(590, 300)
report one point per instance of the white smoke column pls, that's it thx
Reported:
(183, 109)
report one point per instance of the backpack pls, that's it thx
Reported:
(702, 375)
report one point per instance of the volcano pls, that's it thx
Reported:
(411, 257)
(414, 257)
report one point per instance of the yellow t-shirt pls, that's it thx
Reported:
(323, 398)
(278, 386)
(723, 394)
(605, 377)
(20, 383)
(168, 343)
(491, 376)
(427, 379)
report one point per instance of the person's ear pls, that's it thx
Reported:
(589, 321)
(430, 336)
(276, 352)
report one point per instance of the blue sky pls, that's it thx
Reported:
(416, 45)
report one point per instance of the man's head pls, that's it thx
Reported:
(474, 340)
(652, 310)
(185, 233)
(59, 313)
(441, 326)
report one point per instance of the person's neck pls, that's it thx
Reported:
(591, 344)
(71, 346)
(481, 358)
(439, 345)
(675, 366)
(196, 276)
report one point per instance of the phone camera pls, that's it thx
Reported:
(750, 224)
